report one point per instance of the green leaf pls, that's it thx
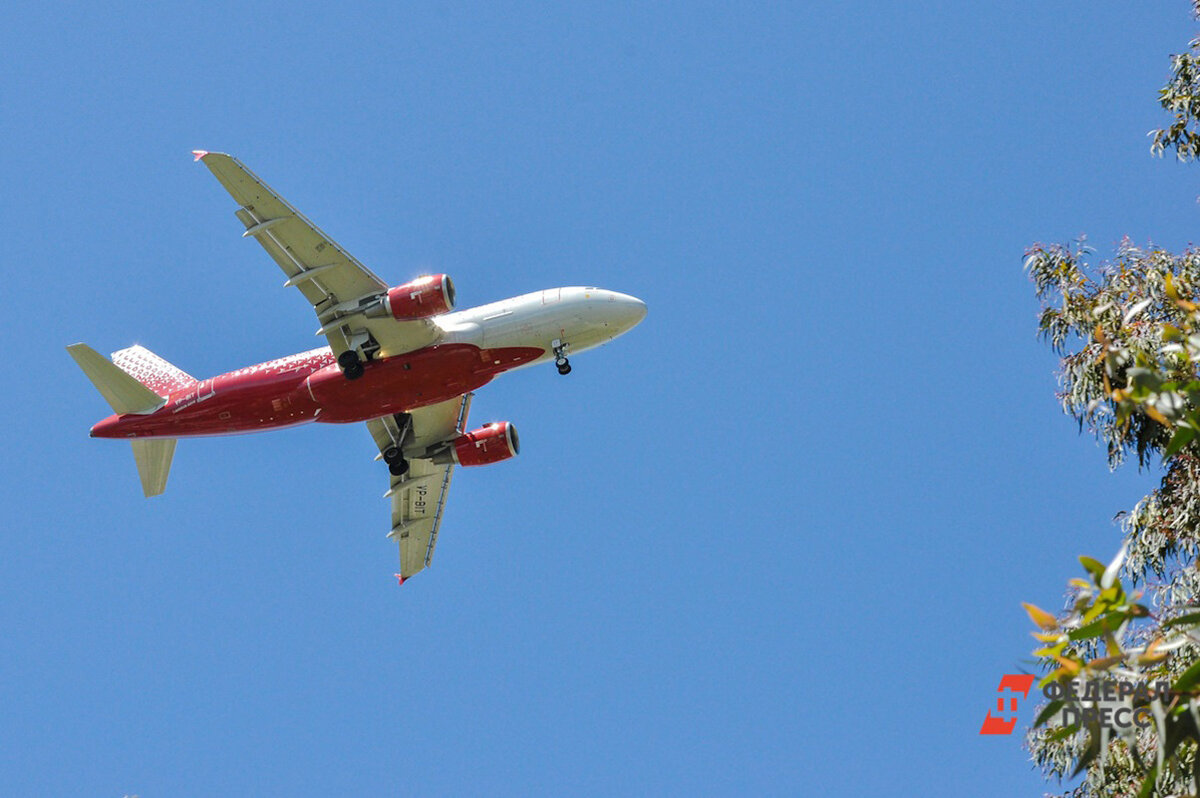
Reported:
(1190, 618)
(1144, 378)
(1051, 651)
(1094, 567)
(1097, 610)
(1176, 733)
(1182, 437)
(1147, 790)
(1106, 623)
(1189, 679)
(1058, 735)
(1048, 712)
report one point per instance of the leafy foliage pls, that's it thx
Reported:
(1108, 637)
(1128, 332)
(1181, 96)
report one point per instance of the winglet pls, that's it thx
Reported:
(401, 579)
(199, 154)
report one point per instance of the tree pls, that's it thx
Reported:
(1128, 332)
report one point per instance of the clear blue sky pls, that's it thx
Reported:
(774, 541)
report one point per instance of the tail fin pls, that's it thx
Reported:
(153, 456)
(118, 387)
(127, 385)
(152, 371)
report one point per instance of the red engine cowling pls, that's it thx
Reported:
(488, 444)
(421, 298)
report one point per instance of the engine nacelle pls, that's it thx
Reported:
(420, 298)
(489, 444)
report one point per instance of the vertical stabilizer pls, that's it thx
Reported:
(126, 394)
(152, 371)
(153, 456)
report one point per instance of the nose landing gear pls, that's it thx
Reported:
(560, 356)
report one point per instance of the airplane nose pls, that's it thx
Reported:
(639, 307)
(633, 310)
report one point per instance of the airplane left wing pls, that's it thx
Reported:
(419, 496)
(334, 282)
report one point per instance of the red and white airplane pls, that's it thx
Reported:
(397, 359)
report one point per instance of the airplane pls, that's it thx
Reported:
(400, 359)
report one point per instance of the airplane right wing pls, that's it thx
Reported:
(419, 496)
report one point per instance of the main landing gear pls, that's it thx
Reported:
(350, 364)
(395, 462)
(560, 356)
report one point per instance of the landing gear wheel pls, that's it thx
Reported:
(398, 468)
(559, 347)
(350, 364)
(392, 455)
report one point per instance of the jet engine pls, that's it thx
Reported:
(420, 298)
(489, 444)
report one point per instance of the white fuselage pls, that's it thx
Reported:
(579, 318)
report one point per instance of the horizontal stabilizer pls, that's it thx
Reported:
(153, 456)
(124, 393)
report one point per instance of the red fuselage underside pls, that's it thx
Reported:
(310, 387)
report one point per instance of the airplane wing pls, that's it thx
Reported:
(331, 279)
(419, 497)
